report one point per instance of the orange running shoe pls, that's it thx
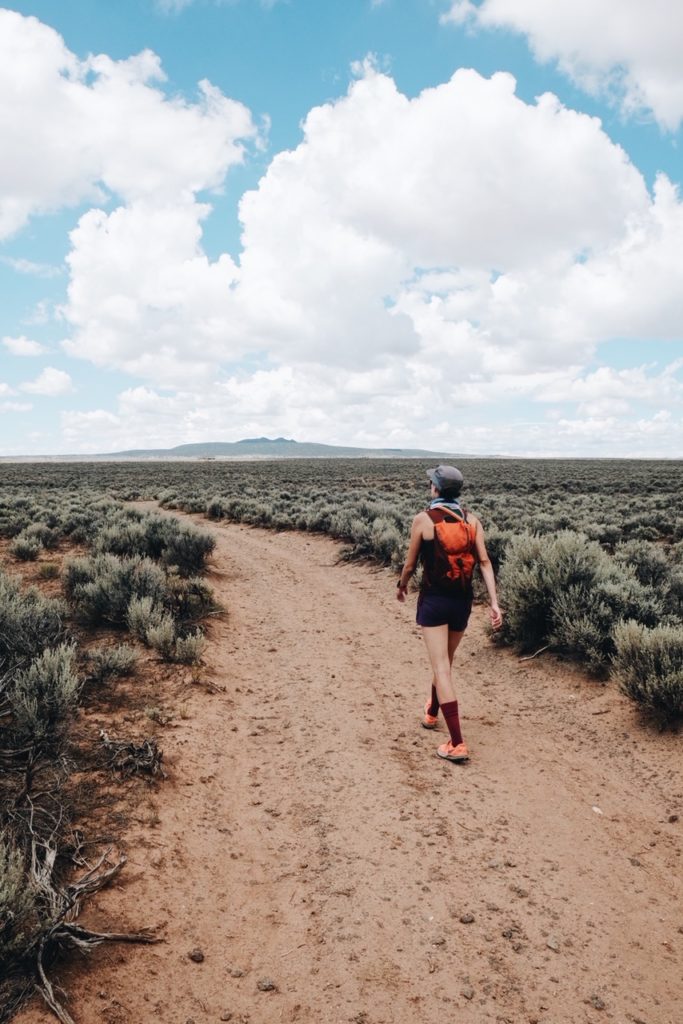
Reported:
(457, 754)
(429, 721)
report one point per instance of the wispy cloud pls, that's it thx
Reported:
(23, 266)
(176, 6)
(23, 346)
(15, 406)
(40, 314)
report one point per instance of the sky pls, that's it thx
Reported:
(444, 224)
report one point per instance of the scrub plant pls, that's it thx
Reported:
(648, 664)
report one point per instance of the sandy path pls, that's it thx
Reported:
(308, 834)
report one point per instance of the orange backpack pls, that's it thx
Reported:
(454, 550)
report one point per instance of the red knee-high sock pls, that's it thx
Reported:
(450, 713)
(433, 708)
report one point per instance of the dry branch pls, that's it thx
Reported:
(133, 758)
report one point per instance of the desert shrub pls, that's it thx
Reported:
(161, 636)
(100, 588)
(142, 614)
(167, 499)
(124, 537)
(18, 918)
(188, 649)
(649, 666)
(187, 549)
(673, 598)
(215, 508)
(535, 570)
(47, 536)
(566, 592)
(648, 561)
(157, 537)
(25, 549)
(190, 598)
(112, 661)
(48, 570)
(45, 693)
(28, 623)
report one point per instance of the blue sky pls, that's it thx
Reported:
(362, 231)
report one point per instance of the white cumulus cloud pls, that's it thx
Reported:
(117, 130)
(466, 175)
(626, 49)
(23, 346)
(50, 382)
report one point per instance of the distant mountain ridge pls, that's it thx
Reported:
(267, 448)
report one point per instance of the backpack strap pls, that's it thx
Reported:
(450, 511)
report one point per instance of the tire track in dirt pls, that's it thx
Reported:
(310, 838)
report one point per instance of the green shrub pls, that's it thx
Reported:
(161, 636)
(122, 538)
(648, 561)
(29, 622)
(48, 570)
(649, 666)
(566, 592)
(112, 661)
(18, 919)
(189, 649)
(190, 598)
(45, 693)
(25, 549)
(47, 536)
(187, 549)
(215, 508)
(142, 614)
(101, 588)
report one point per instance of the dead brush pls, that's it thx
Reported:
(131, 758)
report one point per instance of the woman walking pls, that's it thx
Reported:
(449, 541)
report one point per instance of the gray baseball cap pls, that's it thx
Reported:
(446, 478)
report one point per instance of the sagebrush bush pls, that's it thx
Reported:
(42, 696)
(161, 636)
(215, 508)
(142, 614)
(46, 535)
(161, 538)
(567, 593)
(649, 666)
(189, 649)
(190, 598)
(48, 570)
(28, 623)
(187, 548)
(648, 561)
(101, 588)
(112, 661)
(18, 919)
(25, 549)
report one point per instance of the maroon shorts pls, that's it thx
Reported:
(452, 610)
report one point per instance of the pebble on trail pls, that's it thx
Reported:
(266, 985)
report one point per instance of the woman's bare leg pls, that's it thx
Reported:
(441, 645)
(453, 641)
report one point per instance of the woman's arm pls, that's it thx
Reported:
(410, 563)
(489, 578)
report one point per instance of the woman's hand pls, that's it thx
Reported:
(496, 616)
(401, 593)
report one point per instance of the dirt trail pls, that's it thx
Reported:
(308, 834)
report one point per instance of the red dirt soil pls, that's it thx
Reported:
(308, 838)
